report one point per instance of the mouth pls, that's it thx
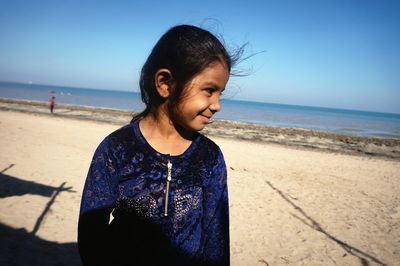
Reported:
(207, 119)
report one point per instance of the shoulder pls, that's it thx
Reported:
(212, 158)
(125, 133)
(208, 143)
(117, 140)
(210, 150)
(204, 140)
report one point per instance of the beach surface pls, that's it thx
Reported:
(317, 201)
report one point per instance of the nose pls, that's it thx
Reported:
(215, 105)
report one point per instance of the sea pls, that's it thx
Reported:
(341, 121)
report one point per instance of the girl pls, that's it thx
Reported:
(163, 182)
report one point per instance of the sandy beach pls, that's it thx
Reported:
(296, 197)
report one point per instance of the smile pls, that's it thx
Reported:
(207, 119)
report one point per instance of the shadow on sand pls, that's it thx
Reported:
(13, 186)
(20, 247)
(307, 220)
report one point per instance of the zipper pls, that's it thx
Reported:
(169, 178)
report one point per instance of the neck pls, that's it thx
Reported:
(158, 124)
(163, 135)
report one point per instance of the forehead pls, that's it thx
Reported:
(215, 74)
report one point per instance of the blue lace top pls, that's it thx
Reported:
(184, 221)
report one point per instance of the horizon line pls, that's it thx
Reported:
(231, 99)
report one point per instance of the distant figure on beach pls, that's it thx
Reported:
(164, 183)
(52, 104)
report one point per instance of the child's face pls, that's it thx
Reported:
(201, 97)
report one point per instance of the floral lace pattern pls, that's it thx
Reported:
(129, 177)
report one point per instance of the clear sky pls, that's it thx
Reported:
(343, 53)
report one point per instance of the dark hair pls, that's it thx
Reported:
(184, 50)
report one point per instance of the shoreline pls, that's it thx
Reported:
(294, 137)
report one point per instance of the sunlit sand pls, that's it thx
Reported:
(288, 204)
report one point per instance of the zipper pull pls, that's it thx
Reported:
(169, 178)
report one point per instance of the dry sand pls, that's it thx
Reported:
(288, 205)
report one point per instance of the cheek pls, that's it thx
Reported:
(200, 104)
(196, 101)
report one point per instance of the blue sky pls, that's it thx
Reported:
(342, 54)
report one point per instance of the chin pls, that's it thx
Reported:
(197, 127)
(191, 127)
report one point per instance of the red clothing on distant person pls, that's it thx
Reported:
(52, 103)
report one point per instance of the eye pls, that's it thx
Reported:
(209, 91)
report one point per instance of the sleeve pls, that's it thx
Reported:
(216, 234)
(98, 198)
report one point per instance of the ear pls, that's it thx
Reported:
(163, 81)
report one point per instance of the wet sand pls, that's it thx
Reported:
(292, 137)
